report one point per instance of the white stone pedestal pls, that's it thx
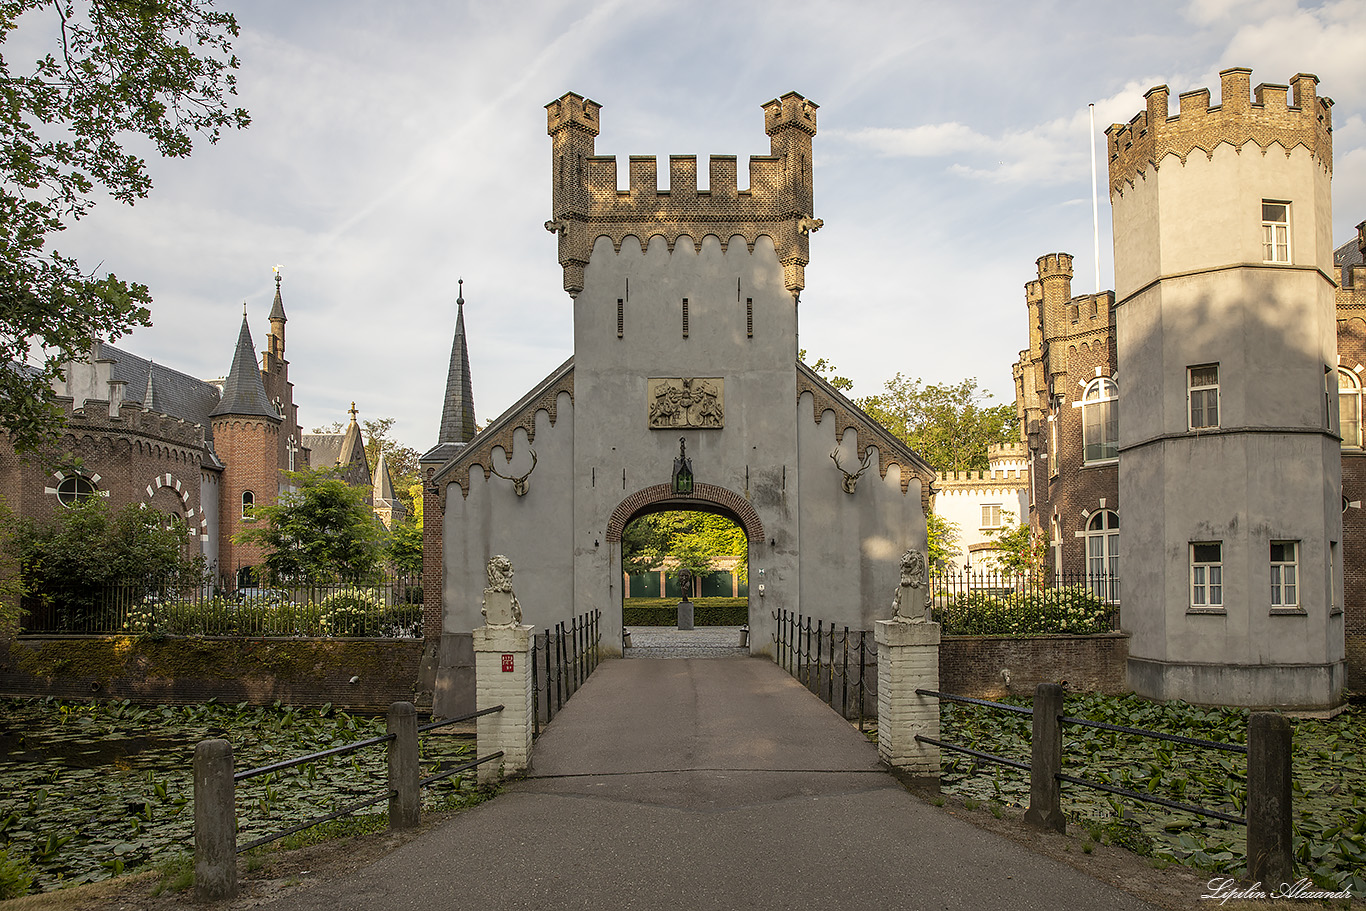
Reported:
(907, 659)
(502, 674)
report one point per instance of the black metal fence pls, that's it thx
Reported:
(836, 663)
(1267, 813)
(215, 830)
(379, 606)
(989, 603)
(562, 658)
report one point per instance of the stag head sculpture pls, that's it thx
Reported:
(850, 481)
(519, 485)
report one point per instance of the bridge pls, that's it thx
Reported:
(707, 783)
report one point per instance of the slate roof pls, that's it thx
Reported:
(277, 311)
(243, 392)
(384, 485)
(1349, 254)
(176, 394)
(324, 448)
(457, 412)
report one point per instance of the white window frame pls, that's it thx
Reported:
(1207, 578)
(1285, 575)
(1205, 392)
(1349, 408)
(1101, 540)
(992, 511)
(248, 504)
(75, 489)
(1100, 400)
(1275, 231)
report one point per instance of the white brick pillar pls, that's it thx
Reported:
(907, 659)
(502, 674)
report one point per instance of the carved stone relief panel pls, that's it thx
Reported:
(698, 401)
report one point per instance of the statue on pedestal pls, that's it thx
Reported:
(501, 607)
(911, 604)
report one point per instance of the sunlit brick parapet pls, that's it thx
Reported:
(588, 205)
(1272, 115)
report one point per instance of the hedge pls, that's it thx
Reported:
(706, 612)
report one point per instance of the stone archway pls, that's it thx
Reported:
(705, 498)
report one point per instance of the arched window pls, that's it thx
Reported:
(248, 503)
(1100, 420)
(73, 489)
(1349, 408)
(1102, 554)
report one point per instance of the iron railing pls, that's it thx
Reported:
(990, 603)
(377, 606)
(562, 658)
(817, 655)
(1048, 712)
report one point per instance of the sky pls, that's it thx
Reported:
(398, 147)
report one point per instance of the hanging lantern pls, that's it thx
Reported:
(682, 470)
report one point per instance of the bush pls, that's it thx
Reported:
(16, 876)
(1074, 610)
(706, 612)
(350, 612)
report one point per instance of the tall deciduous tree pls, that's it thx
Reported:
(116, 71)
(943, 541)
(692, 539)
(320, 529)
(949, 425)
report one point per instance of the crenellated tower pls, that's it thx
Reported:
(1230, 467)
(588, 205)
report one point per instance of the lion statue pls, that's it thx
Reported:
(911, 604)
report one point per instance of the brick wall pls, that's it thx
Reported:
(1351, 303)
(249, 448)
(188, 671)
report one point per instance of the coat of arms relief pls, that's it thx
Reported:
(676, 402)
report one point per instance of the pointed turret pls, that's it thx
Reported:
(276, 341)
(457, 414)
(353, 447)
(243, 392)
(149, 398)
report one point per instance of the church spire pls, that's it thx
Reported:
(243, 391)
(457, 414)
(276, 339)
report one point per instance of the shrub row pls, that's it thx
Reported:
(1075, 610)
(354, 613)
(706, 612)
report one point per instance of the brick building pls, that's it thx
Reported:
(1349, 268)
(207, 451)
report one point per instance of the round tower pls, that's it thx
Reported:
(1230, 468)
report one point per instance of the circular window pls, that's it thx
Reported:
(74, 489)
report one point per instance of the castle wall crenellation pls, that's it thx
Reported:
(588, 204)
(1271, 114)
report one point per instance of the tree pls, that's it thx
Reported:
(1018, 549)
(73, 562)
(691, 539)
(949, 425)
(119, 72)
(943, 541)
(828, 372)
(318, 530)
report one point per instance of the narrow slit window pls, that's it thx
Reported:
(685, 317)
(621, 317)
(749, 317)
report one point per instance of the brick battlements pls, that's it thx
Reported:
(132, 419)
(588, 205)
(1264, 118)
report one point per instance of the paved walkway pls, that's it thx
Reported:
(708, 784)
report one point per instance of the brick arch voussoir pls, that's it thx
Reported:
(703, 495)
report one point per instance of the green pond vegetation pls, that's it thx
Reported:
(1329, 790)
(91, 790)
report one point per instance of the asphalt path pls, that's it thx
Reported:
(714, 783)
